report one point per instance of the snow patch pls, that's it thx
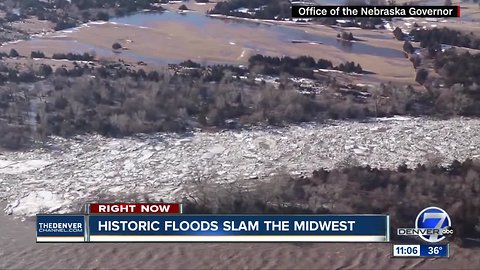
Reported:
(34, 203)
(22, 166)
(395, 118)
(98, 22)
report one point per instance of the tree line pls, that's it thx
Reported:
(301, 66)
(67, 14)
(116, 100)
(281, 10)
(433, 38)
(354, 189)
(462, 68)
(112, 104)
(259, 9)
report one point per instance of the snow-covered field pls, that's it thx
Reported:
(68, 172)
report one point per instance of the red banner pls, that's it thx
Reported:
(135, 208)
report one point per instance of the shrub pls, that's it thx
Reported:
(116, 46)
(45, 70)
(62, 25)
(37, 54)
(14, 53)
(86, 15)
(399, 35)
(103, 16)
(27, 76)
(422, 75)
(13, 137)
(407, 47)
(12, 17)
(61, 71)
(153, 76)
(350, 67)
(189, 63)
(347, 36)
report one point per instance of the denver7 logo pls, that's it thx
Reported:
(434, 218)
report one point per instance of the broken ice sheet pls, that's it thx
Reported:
(54, 181)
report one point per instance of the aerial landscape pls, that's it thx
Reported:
(236, 107)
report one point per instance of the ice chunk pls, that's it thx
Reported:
(9, 167)
(42, 201)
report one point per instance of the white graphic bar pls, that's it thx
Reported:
(238, 238)
(60, 239)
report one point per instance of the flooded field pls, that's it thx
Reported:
(230, 38)
(283, 34)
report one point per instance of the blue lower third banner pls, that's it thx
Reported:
(61, 228)
(239, 228)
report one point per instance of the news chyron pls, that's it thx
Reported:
(166, 222)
